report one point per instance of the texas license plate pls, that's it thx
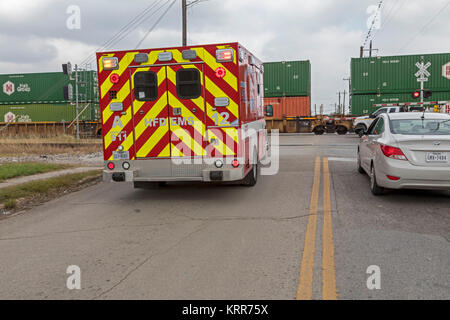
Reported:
(437, 157)
(121, 155)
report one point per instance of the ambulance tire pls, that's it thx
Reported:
(148, 185)
(252, 177)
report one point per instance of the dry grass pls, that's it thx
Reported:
(48, 146)
(57, 139)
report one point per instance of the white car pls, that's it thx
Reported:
(407, 150)
(360, 124)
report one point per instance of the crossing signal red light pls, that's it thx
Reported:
(427, 94)
(416, 94)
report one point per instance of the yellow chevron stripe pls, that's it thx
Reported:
(152, 142)
(221, 146)
(165, 153)
(199, 126)
(218, 93)
(233, 133)
(157, 108)
(127, 144)
(125, 119)
(175, 151)
(121, 96)
(189, 141)
(230, 78)
(171, 74)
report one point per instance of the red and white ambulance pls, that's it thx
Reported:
(182, 114)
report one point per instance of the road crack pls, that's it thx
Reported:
(200, 228)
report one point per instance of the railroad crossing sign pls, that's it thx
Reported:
(422, 75)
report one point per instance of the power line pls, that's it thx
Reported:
(195, 2)
(125, 30)
(425, 26)
(156, 23)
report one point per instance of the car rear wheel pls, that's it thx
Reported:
(374, 187)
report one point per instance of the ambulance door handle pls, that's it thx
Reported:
(142, 112)
(194, 110)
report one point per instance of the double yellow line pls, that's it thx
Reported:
(305, 286)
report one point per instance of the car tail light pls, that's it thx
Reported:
(393, 178)
(393, 153)
(111, 166)
(220, 72)
(235, 163)
(224, 55)
(114, 78)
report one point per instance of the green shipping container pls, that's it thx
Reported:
(398, 74)
(32, 88)
(287, 79)
(364, 104)
(47, 113)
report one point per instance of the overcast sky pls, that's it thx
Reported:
(34, 36)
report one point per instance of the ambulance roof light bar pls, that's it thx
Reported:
(225, 55)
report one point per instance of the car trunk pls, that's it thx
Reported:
(429, 151)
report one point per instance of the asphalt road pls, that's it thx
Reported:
(309, 232)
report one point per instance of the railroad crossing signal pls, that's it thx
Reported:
(422, 75)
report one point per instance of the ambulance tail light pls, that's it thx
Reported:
(114, 78)
(111, 166)
(220, 72)
(225, 55)
(110, 63)
(235, 163)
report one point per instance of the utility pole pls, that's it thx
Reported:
(343, 106)
(349, 92)
(184, 14)
(340, 106)
(76, 99)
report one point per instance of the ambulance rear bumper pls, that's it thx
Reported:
(166, 171)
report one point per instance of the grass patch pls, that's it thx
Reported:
(10, 204)
(41, 188)
(13, 170)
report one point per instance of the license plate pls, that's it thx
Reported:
(437, 157)
(121, 155)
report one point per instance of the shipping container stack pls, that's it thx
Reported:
(287, 87)
(394, 79)
(39, 97)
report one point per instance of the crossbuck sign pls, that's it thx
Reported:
(422, 75)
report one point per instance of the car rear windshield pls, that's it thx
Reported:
(421, 127)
